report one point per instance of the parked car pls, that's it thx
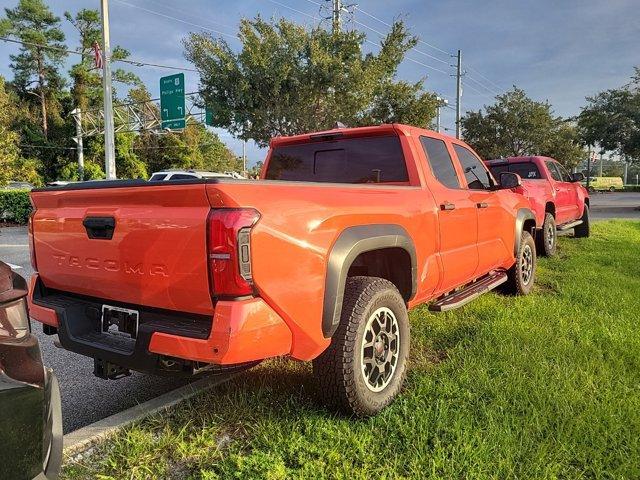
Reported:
(319, 260)
(558, 199)
(610, 184)
(190, 175)
(30, 417)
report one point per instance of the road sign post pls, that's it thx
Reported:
(172, 102)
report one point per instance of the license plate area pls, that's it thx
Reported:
(120, 322)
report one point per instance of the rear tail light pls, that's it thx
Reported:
(229, 251)
(32, 249)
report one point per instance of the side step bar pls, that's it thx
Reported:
(470, 292)
(568, 226)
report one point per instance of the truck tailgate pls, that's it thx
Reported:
(156, 255)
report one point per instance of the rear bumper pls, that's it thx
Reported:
(240, 331)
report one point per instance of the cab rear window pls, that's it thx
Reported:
(526, 170)
(343, 160)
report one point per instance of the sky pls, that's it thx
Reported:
(560, 51)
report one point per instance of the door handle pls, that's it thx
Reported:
(482, 205)
(100, 228)
(447, 206)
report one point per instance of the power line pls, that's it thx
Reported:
(153, 12)
(173, 9)
(471, 87)
(295, 10)
(481, 84)
(389, 25)
(485, 78)
(414, 49)
(413, 60)
(137, 63)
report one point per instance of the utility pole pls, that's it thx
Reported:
(109, 140)
(589, 169)
(336, 17)
(77, 115)
(626, 169)
(458, 92)
(244, 157)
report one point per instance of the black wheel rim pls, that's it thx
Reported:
(380, 348)
(526, 264)
(551, 237)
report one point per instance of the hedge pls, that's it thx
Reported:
(632, 188)
(15, 206)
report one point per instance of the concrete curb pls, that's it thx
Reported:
(80, 440)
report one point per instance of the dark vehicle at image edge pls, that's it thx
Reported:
(30, 415)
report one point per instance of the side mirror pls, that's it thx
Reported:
(510, 180)
(577, 177)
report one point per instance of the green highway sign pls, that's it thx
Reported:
(172, 102)
(208, 116)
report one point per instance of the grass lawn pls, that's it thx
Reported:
(544, 386)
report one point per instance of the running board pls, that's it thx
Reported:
(469, 292)
(568, 226)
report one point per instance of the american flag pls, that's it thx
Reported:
(97, 54)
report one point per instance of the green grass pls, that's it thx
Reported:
(544, 386)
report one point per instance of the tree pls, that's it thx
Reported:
(288, 80)
(87, 84)
(517, 125)
(611, 119)
(42, 53)
(12, 165)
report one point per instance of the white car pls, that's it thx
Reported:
(190, 174)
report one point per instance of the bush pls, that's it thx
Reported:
(632, 188)
(15, 205)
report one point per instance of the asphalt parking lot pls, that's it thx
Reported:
(87, 399)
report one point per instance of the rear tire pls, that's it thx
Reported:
(584, 229)
(612, 189)
(364, 367)
(523, 273)
(546, 237)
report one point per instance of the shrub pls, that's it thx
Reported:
(15, 205)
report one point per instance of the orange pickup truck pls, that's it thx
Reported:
(319, 260)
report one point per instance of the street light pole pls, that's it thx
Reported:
(442, 102)
(109, 137)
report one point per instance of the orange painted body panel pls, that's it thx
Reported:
(243, 331)
(161, 231)
(42, 314)
(156, 256)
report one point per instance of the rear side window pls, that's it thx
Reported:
(345, 160)
(554, 171)
(440, 161)
(158, 177)
(475, 172)
(526, 170)
(182, 176)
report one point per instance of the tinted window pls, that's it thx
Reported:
(527, 170)
(440, 162)
(347, 160)
(566, 176)
(157, 177)
(182, 176)
(554, 171)
(474, 171)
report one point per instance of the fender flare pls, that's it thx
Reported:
(522, 216)
(350, 243)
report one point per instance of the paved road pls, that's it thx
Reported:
(85, 398)
(615, 205)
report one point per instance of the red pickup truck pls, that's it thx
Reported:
(319, 260)
(557, 197)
